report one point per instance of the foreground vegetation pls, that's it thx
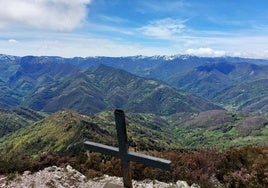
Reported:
(234, 161)
(235, 167)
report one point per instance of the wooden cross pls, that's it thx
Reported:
(123, 153)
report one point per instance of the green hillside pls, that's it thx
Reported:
(219, 129)
(14, 119)
(65, 130)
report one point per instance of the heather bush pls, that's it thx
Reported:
(244, 167)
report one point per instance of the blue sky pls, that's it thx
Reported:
(71, 28)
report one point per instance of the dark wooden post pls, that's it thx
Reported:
(123, 146)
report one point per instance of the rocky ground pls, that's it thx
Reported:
(56, 177)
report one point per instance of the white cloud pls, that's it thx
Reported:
(205, 52)
(43, 14)
(12, 41)
(259, 54)
(164, 28)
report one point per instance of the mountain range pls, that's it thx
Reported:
(51, 86)
(32, 80)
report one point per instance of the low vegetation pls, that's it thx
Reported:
(235, 167)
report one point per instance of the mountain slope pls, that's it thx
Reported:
(8, 97)
(76, 92)
(54, 133)
(52, 86)
(137, 94)
(249, 96)
(33, 73)
(8, 66)
(218, 76)
(12, 120)
(220, 129)
(66, 130)
(211, 80)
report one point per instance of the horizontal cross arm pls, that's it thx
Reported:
(101, 148)
(150, 161)
(131, 156)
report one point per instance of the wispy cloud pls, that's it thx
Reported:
(161, 6)
(75, 45)
(43, 14)
(102, 28)
(164, 29)
(113, 19)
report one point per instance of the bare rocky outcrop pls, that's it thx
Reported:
(56, 177)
